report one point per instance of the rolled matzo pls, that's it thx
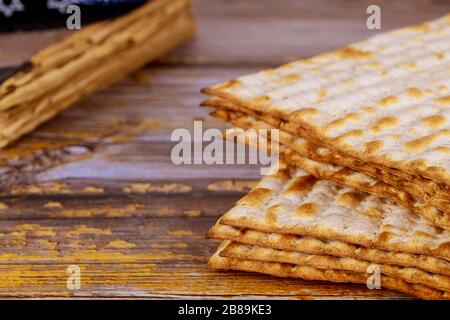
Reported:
(85, 83)
(88, 61)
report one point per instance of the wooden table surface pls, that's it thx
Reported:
(95, 187)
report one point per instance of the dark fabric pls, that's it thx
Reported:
(41, 14)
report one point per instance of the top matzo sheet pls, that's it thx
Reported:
(385, 100)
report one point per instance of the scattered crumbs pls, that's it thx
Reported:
(53, 205)
(3, 206)
(162, 188)
(93, 190)
(126, 211)
(193, 213)
(46, 188)
(120, 244)
(180, 233)
(232, 185)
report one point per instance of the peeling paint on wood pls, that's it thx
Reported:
(161, 188)
(232, 185)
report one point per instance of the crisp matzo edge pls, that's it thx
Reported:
(315, 246)
(408, 274)
(309, 273)
(293, 202)
(423, 188)
(344, 175)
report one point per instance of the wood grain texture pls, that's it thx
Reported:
(95, 187)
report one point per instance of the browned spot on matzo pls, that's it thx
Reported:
(302, 184)
(373, 146)
(291, 78)
(442, 150)
(342, 121)
(353, 53)
(434, 121)
(262, 100)
(356, 133)
(422, 235)
(231, 84)
(256, 198)
(307, 209)
(321, 95)
(304, 113)
(349, 199)
(410, 65)
(439, 55)
(271, 214)
(372, 212)
(442, 89)
(386, 101)
(369, 110)
(384, 123)
(374, 64)
(394, 136)
(414, 92)
(443, 100)
(420, 144)
(385, 237)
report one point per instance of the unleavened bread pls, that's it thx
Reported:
(315, 246)
(383, 101)
(310, 273)
(435, 210)
(408, 274)
(294, 202)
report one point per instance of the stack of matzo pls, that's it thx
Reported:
(88, 61)
(365, 138)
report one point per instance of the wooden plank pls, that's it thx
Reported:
(129, 257)
(114, 199)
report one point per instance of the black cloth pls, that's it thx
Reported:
(41, 14)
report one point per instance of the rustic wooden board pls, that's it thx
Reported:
(95, 186)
